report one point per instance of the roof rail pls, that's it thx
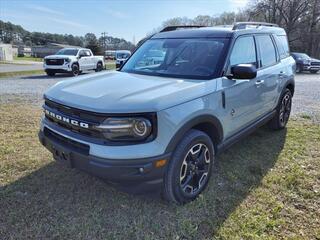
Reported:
(242, 25)
(172, 28)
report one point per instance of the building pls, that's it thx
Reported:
(24, 51)
(48, 49)
(6, 53)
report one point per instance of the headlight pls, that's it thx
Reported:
(126, 129)
(68, 60)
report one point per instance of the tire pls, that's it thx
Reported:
(50, 73)
(299, 69)
(75, 70)
(313, 71)
(283, 111)
(189, 169)
(99, 67)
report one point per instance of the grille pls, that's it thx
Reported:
(315, 63)
(76, 115)
(54, 61)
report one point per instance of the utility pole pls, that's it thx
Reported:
(104, 35)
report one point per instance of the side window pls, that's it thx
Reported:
(88, 53)
(243, 52)
(82, 53)
(283, 46)
(267, 50)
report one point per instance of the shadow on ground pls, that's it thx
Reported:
(55, 202)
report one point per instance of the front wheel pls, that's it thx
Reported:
(75, 69)
(50, 73)
(314, 71)
(189, 169)
(283, 111)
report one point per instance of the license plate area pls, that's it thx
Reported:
(62, 155)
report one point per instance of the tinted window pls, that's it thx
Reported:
(267, 50)
(186, 58)
(243, 52)
(87, 52)
(283, 47)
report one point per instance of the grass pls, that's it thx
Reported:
(266, 187)
(20, 73)
(28, 59)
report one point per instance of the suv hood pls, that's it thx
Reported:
(118, 92)
(58, 56)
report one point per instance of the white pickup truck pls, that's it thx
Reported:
(73, 61)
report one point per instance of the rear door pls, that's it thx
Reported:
(269, 73)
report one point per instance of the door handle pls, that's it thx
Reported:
(259, 82)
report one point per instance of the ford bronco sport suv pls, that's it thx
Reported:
(161, 123)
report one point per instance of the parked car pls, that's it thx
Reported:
(121, 57)
(73, 61)
(306, 63)
(110, 55)
(161, 126)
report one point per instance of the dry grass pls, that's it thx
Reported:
(266, 187)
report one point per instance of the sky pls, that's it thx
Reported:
(128, 19)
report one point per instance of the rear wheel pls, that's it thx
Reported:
(189, 169)
(282, 115)
(75, 69)
(99, 67)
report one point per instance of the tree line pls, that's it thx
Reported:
(17, 35)
(300, 19)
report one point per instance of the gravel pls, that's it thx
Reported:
(306, 101)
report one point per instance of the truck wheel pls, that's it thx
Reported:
(75, 69)
(282, 115)
(50, 73)
(189, 170)
(99, 67)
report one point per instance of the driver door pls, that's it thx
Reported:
(242, 98)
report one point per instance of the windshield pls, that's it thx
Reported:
(123, 55)
(185, 58)
(72, 52)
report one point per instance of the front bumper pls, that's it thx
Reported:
(311, 67)
(137, 174)
(57, 68)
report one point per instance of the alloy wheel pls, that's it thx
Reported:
(285, 109)
(195, 169)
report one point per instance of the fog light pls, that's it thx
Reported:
(160, 163)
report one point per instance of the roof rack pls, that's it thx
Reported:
(243, 25)
(172, 28)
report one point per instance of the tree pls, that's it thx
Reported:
(92, 43)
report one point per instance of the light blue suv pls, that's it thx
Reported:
(158, 123)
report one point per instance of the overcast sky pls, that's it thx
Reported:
(122, 18)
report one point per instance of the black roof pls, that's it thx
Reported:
(217, 32)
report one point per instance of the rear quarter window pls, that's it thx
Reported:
(283, 46)
(267, 50)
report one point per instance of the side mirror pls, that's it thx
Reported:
(243, 71)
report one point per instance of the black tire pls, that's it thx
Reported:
(314, 71)
(282, 115)
(99, 67)
(299, 69)
(50, 73)
(191, 163)
(75, 70)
